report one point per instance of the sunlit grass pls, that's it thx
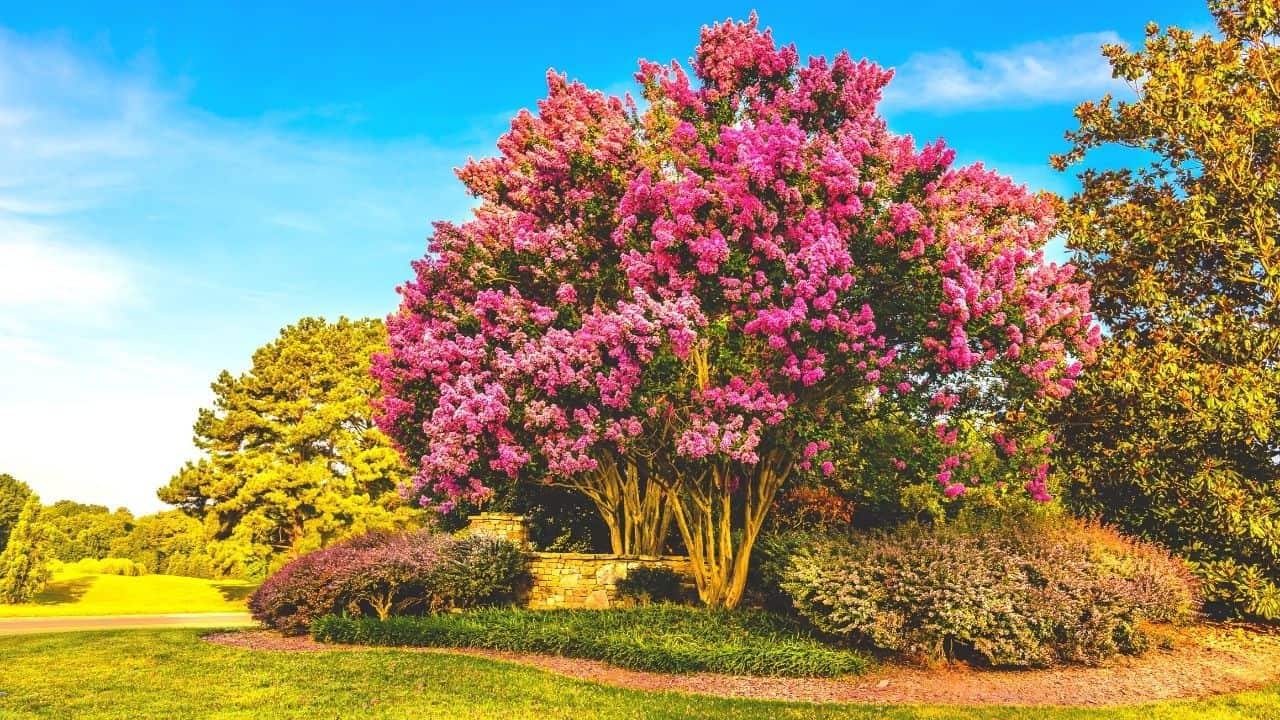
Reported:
(173, 674)
(71, 593)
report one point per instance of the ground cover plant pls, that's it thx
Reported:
(660, 638)
(70, 593)
(1032, 594)
(381, 573)
(677, 310)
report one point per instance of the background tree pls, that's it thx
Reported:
(13, 497)
(293, 459)
(169, 542)
(24, 564)
(678, 310)
(1176, 434)
(78, 530)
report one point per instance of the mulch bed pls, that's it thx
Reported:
(1203, 661)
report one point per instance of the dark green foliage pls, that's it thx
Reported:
(646, 584)
(560, 519)
(479, 570)
(770, 563)
(13, 495)
(1027, 595)
(657, 638)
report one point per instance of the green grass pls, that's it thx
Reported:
(71, 593)
(659, 638)
(172, 674)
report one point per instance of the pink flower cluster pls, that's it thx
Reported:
(761, 220)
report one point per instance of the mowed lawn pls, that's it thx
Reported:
(174, 674)
(72, 593)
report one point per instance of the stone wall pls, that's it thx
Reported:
(581, 580)
(504, 525)
(570, 580)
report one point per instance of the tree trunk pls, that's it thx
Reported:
(704, 512)
(634, 506)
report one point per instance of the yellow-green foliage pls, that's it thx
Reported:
(24, 563)
(77, 593)
(105, 566)
(294, 462)
(1174, 434)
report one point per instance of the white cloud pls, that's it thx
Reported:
(145, 245)
(38, 275)
(1063, 70)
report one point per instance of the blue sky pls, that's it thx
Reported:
(180, 180)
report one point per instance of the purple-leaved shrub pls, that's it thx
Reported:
(381, 574)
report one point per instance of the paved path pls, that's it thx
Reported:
(30, 625)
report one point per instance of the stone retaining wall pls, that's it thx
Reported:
(504, 525)
(581, 580)
(570, 580)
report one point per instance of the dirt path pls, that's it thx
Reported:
(1201, 662)
(32, 625)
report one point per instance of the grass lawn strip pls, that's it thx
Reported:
(173, 674)
(1202, 662)
(76, 594)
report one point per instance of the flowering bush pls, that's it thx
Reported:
(1029, 597)
(675, 309)
(382, 573)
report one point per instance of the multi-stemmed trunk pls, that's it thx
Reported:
(634, 506)
(705, 506)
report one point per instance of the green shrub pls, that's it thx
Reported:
(649, 584)
(479, 570)
(656, 638)
(1030, 595)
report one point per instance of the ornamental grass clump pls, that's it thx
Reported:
(1033, 595)
(656, 638)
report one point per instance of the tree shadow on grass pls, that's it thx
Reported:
(60, 592)
(234, 592)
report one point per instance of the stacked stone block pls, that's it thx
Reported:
(570, 580)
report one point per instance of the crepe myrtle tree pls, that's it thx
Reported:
(677, 308)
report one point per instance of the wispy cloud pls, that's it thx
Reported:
(146, 244)
(1063, 70)
(44, 276)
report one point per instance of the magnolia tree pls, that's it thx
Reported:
(677, 307)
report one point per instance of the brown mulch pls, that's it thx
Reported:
(1202, 661)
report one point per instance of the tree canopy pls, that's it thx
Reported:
(24, 563)
(293, 459)
(13, 496)
(78, 530)
(677, 309)
(1176, 433)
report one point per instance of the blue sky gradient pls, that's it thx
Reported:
(180, 180)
